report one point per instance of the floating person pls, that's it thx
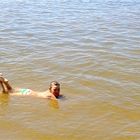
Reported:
(52, 93)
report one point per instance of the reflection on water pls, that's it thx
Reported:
(54, 104)
(91, 48)
(4, 101)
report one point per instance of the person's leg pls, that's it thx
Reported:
(6, 82)
(4, 89)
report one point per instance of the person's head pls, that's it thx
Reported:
(55, 88)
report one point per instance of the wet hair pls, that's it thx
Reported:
(56, 84)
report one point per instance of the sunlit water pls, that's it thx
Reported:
(92, 47)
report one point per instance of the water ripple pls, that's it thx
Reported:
(91, 47)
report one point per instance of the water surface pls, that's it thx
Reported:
(92, 48)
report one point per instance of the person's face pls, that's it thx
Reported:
(55, 88)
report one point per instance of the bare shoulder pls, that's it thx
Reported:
(48, 94)
(45, 94)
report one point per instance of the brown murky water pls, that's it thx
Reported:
(92, 48)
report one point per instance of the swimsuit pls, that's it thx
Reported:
(25, 91)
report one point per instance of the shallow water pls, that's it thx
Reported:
(92, 48)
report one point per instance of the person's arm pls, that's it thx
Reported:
(53, 97)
